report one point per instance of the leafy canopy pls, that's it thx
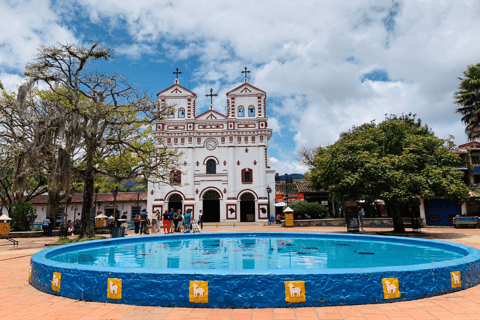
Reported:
(394, 160)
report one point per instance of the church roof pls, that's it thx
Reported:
(210, 114)
(242, 87)
(176, 90)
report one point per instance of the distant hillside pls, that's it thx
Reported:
(295, 176)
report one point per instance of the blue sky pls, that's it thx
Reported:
(326, 65)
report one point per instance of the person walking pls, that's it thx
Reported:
(45, 225)
(200, 219)
(171, 220)
(361, 215)
(187, 218)
(143, 221)
(166, 223)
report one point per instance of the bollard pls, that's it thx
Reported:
(217, 225)
(234, 224)
(264, 223)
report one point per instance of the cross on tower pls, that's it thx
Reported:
(211, 95)
(246, 71)
(177, 73)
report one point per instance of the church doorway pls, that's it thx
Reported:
(175, 201)
(211, 206)
(247, 207)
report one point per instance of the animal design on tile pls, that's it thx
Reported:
(113, 288)
(391, 288)
(197, 291)
(456, 278)
(55, 281)
(294, 291)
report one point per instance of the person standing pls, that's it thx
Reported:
(361, 215)
(180, 220)
(45, 225)
(143, 221)
(154, 222)
(137, 224)
(200, 219)
(171, 220)
(175, 221)
(50, 228)
(187, 221)
(166, 223)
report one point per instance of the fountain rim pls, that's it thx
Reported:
(470, 254)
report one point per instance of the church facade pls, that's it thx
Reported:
(225, 169)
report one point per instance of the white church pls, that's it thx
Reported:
(225, 169)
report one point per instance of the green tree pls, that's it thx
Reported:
(23, 216)
(468, 97)
(396, 160)
(314, 209)
(110, 112)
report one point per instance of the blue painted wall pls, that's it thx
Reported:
(439, 212)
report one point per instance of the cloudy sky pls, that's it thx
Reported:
(325, 65)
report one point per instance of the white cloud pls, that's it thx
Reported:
(309, 58)
(10, 81)
(135, 51)
(25, 26)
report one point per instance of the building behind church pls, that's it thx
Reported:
(225, 168)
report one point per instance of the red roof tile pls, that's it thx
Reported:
(100, 197)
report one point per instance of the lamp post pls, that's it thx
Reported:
(138, 201)
(75, 214)
(269, 190)
(286, 186)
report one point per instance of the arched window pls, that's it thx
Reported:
(175, 177)
(181, 113)
(251, 111)
(211, 167)
(241, 112)
(247, 176)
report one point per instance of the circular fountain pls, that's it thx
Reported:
(255, 270)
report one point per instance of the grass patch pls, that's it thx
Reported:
(77, 239)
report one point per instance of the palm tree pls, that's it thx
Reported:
(468, 97)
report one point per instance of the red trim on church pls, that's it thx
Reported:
(210, 188)
(177, 85)
(244, 171)
(245, 84)
(211, 157)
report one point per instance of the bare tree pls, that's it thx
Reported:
(307, 155)
(111, 113)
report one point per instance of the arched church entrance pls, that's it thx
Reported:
(247, 207)
(211, 206)
(175, 202)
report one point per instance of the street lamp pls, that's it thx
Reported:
(138, 201)
(269, 190)
(74, 214)
(286, 186)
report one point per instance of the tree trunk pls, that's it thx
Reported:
(115, 193)
(395, 210)
(52, 207)
(87, 229)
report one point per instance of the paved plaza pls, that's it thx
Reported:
(19, 300)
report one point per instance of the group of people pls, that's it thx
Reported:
(173, 221)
